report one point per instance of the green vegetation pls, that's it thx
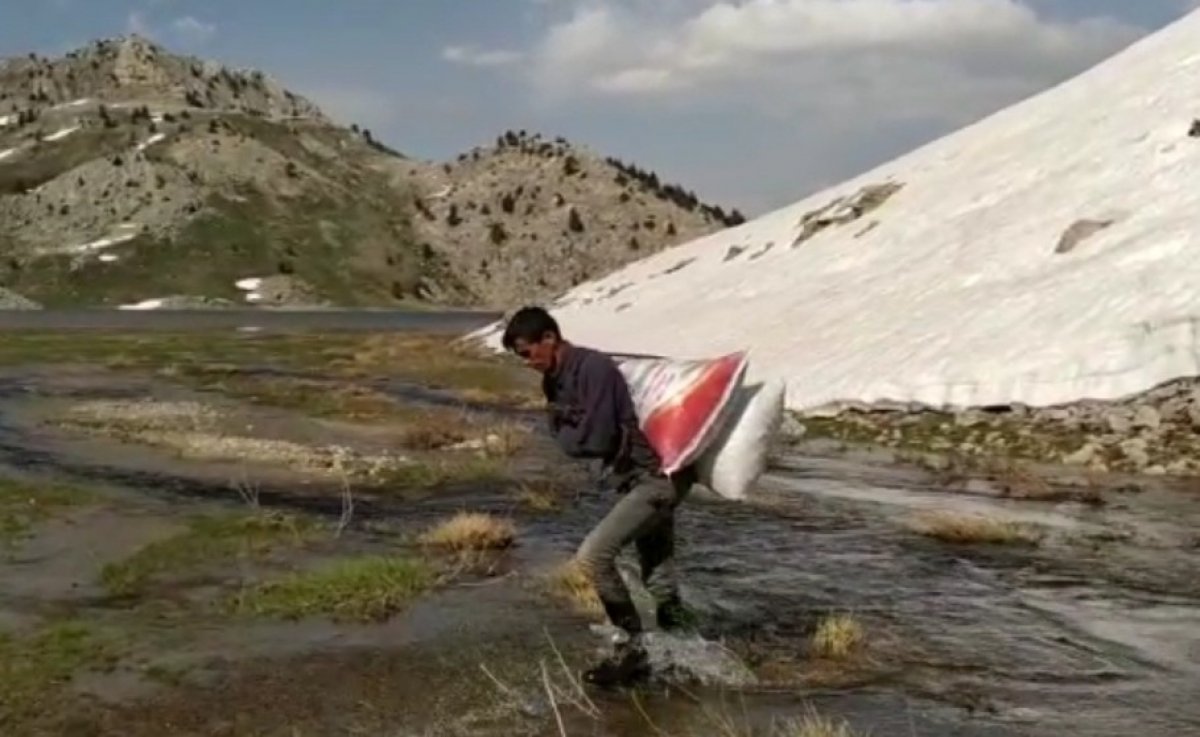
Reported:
(361, 589)
(208, 541)
(34, 668)
(225, 361)
(24, 503)
(46, 161)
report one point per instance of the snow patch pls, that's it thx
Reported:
(7, 120)
(6, 153)
(60, 134)
(151, 141)
(249, 284)
(105, 242)
(148, 304)
(108, 258)
(73, 103)
(957, 296)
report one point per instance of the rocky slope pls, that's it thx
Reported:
(129, 174)
(1156, 432)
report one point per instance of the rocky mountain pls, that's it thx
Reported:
(130, 176)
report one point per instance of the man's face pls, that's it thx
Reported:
(539, 356)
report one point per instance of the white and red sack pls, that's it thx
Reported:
(698, 411)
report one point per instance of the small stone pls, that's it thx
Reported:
(1179, 467)
(1147, 417)
(1193, 413)
(1083, 456)
(1135, 450)
(1119, 422)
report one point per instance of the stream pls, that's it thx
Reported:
(1095, 631)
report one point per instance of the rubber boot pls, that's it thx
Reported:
(672, 615)
(628, 663)
(627, 666)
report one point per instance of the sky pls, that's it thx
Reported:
(750, 103)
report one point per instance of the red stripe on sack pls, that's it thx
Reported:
(673, 427)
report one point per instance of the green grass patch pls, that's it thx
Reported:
(366, 589)
(207, 540)
(34, 668)
(431, 473)
(24, 504)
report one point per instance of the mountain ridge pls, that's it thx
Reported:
(131, 175)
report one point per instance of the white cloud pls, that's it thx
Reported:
(187, 31)
(192, 31)
(927, 53)
(469, 56)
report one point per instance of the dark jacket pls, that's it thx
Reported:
(592, 414)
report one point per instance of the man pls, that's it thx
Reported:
(592, 417)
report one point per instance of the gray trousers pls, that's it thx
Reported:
(644, 515)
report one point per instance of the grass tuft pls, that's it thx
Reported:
(837, 637)
(571, 583)
(472, 531)
(965, 529)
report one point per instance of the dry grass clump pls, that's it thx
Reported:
(541, 495)
(814, 725)
(442, 429)
(572, 583)
(837, 637)
(472, 531)
(957, 528)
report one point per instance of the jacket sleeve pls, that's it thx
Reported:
(595, 431)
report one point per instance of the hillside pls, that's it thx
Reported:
(1046, 253)
(529, 217)
(130, 176)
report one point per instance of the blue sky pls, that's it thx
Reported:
(752, 103)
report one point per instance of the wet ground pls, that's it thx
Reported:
(1091, 628)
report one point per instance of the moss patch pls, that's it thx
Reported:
(35, 668)
(363, 589)
(24, 504)
(208, 541)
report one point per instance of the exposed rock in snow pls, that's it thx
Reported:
(952, 293)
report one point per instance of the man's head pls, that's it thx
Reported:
(533, 335)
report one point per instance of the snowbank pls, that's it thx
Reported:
(1047, 253)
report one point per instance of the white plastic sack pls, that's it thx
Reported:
(682, 404)
(737, 455)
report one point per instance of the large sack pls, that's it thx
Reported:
(737, 454)
(681, 404)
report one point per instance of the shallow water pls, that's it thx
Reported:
(1093, 632)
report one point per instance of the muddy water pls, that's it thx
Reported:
(1096, 631)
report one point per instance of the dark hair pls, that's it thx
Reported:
(529, 324)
